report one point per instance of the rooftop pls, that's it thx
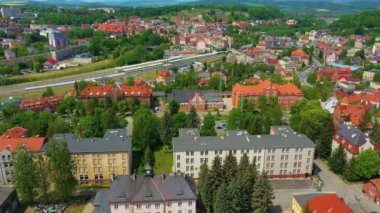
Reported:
(114, 140)
(351, 134)
(144, 188)
(261, 88)
(283, 137)
(322, 202)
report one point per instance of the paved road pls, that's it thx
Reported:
(351, 193)
(303, 75)
(108, 73)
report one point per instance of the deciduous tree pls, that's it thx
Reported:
(338, 160)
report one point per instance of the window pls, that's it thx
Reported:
(201, 160)
(187, 160)
(282, 157)
(179, 204)
(286, 157)
(308, 153)
(192, 153)
(272, 157)
(147, 206)
(190, 203)
(281, 164)
(138, 206)
(169, 204)
(285, 172)
(192, 160)
(187, 168)
(268, 158)
(280, 172)
(178, 157)
(299, 164)
(192, 168)
(206, 160)
(216, 152)
(258, 165)
(116, 206)
(295, 157)
(268, 164)
(307, 168)
(308, 160)
(126, 206)
(201, 152)
(295, 164)
(157, 205)
(190, 211)
(271, 165)
(187, 153)
(294, 171)
(300, 157)
(286, 165)
(206, 152)
(178, 165)
(259, 158)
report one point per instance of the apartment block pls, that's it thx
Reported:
(156, 193)
(99, 160)
(281, 154)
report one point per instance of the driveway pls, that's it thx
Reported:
(351, 193)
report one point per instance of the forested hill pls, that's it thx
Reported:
(361, 23)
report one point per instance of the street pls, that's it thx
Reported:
(351, 193)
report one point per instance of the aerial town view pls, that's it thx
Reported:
(190, 106)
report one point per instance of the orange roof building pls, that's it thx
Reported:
(38, 105)
(10, 141)
(118, 91)
(366, 98)
(287, 94)
(333, 74)
(163, 76)
(372, 189)
(319, 202)
(15, 132)
(351, 114)
(299, 53)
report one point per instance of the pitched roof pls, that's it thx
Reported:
(163, 73)
(15, 132)
(190, 140)
(141, 188)
(34, 144)
(351, 134)
(114, 140)
(355, 113)
(283, 89)
(42, 103)
(102, 91)
(323, 202)
(299, 53)
(331, 71)
(376, 182)
(183, 96)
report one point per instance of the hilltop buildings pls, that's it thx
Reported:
(288, 94)
(148, 192)
(282, 154)
(100, 159)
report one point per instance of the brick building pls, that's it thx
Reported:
(38, 105)
(118, 92)
(319, 202)
(372, 190)
(200, 100)
(288, 94)
(333, 74)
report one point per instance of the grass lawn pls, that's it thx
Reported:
(74, 208)
(33, 94)
(104, 64)
(163, 161)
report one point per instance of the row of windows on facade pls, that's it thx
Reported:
(156, 205)
(100, 156)
(99, 161)
(4, 158)
(247, 151)
(283, 172)
(97, 177)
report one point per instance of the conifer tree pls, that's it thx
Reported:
(223, 202)
(166, 129)
(244, 165)
(338, 160)
(230, 167)
(262, 196)
(240, 194)
(193, 119)
(202, 185)
(215, 178)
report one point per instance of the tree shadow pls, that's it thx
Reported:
(276, 209)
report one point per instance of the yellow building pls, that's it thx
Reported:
(99, 159)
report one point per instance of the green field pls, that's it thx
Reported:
(163, 161)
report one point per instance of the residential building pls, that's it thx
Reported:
(148, 192)
(118, 91)
(10, 141)
(300, 56)
(9, 54)
(281, 154)
(288, 94)
(367, 98)
(319, 202)
(38, 105)
(369, 75)
(58, 40)
(372, 190)
(353, 140)
(349, 114)
(333, 74)
(9, 202)
(99, 159)
(163, 76)
(200, 100)
(330, 104)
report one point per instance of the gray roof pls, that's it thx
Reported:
(302, 199)
(141, 188)
(114, 140)
(351, 134)
(284, 137)
(373, 70)
(100, 202)
(183, 96)
(5, 193)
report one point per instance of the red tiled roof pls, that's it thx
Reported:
(33, 144)
(40, 104)
(334, 71)
(376, 182)
(354, 113)
(356, 80)
(163, 73)
(15, 132)
(330, 203)
(203, 82)
(50, 61)
(367, 97)
(102, 91)
(299, 53)
(217, 73)
(260, 89)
